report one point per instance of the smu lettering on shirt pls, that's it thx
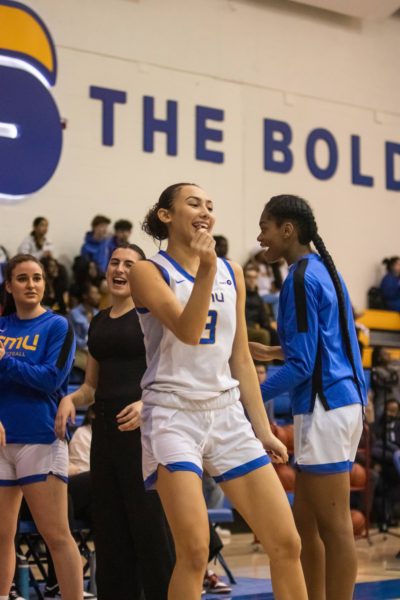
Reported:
(192, 372)
(33, 375)
(312, 342)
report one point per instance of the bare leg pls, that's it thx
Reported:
(312, 547)
(329, 501)
(183, 502)
(261, 500)
(10, 502)
(47, 501)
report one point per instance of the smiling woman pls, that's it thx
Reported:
(36, 354)
(191, 309)
(324, 377)
(132, 540)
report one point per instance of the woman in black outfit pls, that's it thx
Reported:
(133, 548)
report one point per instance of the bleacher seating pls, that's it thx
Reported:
(384, 326)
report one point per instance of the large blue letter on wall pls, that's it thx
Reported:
(392, 149)
(313, 138)
(108, 97)
(281, 145)
(356, 176)
(28, 160)
(167, 126)
(204, 133)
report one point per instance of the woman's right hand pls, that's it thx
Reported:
(2, 435)
(66, 410)
(204, 245)
(2, 350)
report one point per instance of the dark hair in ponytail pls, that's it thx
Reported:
(390, 262)
(287, 207)
(152, 224)
(8, 303)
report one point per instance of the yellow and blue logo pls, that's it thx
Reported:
(30, 124)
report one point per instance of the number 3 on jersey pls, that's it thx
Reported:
(211, 324)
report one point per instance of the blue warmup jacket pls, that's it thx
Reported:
(34, 375)
(311, 338)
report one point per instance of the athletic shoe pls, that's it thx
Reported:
(54, 592)
(13, 595)
(223, 532)
(213, 585)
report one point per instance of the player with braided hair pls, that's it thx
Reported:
(323, 374)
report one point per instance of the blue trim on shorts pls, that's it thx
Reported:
(8, 482)
(172, 467)
(30, 479)
(252, 465)
(40, 477)
(327, 468)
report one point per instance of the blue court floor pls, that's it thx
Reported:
(260, 589)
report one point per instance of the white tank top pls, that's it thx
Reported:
(184, 372)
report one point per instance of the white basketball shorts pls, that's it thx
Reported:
(221, 440)
(21, 464)
(326, 441)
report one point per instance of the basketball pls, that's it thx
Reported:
(358, 476)
(358, 520)
(287, 476)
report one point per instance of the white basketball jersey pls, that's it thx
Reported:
(199, 372)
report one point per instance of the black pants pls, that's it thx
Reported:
(134, 549)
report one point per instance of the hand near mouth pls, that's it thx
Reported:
(204, 245)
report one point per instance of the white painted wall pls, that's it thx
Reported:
(254, 59)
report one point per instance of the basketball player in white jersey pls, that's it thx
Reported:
(200, 375)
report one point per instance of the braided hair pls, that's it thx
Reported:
(287, 207)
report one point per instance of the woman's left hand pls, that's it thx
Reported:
(275, 449)
(129, 417)
(2, 436)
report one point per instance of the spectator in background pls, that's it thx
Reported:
(36, 243)
(386, 440)
(96, 244)
(221, 246)
(85, 271)
(3, 264)
(122, 232)
(257, 320)
(385, 380)
(261, 370)
(272, 298)
(81, 317)
(56, 293)
(267, 273)
(4, 258)
(390, 284)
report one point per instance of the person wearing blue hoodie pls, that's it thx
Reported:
(36, 354)
(96, 244)
(390, 284)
